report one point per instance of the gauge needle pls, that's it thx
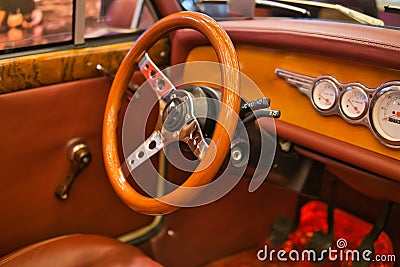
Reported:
(396, 114)
(354, 106)
(326, 99)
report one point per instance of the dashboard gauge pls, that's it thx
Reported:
(354, 102)
(324, 94)
(386, 114)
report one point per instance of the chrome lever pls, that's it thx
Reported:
(80, 157)
(105, 72)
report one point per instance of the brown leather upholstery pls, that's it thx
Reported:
(78, 250)
(36, 128)
(371, 45)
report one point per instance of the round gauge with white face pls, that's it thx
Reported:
(324, 94)
(386, 114)
(353, 102)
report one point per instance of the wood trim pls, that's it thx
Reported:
(69, 65)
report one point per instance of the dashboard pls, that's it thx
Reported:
(295, 108)
(353, 59)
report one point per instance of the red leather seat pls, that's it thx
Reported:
(78, 250)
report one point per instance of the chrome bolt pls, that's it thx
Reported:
(236, 154)
(170, 232)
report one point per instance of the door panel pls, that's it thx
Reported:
(37, 126)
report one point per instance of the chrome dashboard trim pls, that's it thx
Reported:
(306, 84)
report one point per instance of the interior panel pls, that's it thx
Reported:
(37, 127)
(66, 102)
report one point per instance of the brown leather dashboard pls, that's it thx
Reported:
(351, 53)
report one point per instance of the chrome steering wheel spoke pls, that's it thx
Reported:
(157, 79)
(192, 135)
(146, 150)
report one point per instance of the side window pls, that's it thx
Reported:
(26, 23)
(108, 17)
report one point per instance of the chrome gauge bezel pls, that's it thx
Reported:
(375, 105)
(343, 106)
(335, 96)
(307, 84)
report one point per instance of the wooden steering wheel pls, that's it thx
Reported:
(213, 156)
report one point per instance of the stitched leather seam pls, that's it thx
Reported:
(30, 248)
(337, 37)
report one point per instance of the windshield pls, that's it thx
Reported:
(370, 12)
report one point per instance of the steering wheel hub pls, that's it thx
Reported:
(174, 114)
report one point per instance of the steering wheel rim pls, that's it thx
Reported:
(225, 127)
